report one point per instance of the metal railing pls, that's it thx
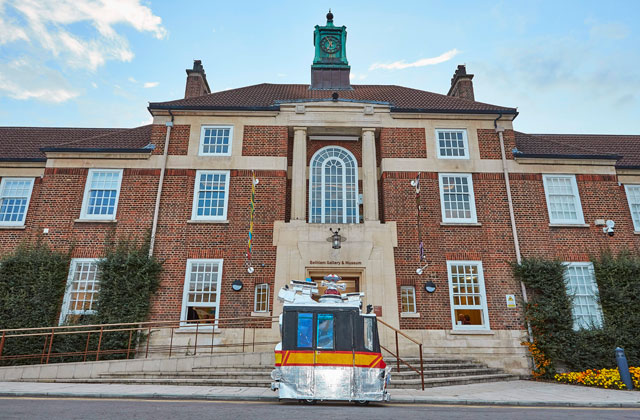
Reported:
(138, 341)
(397, 353)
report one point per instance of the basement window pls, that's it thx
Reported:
(582, 289)
(452, 144)
(83, 285)
(467, 295)
(201, 296)
(408, 299)
(15, 194)
(633, 196)
(261, 302)
(101, 194)
(216, 140)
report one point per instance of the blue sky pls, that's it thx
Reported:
(569, 66)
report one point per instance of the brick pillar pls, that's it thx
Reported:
(369, 175)
(299, 174)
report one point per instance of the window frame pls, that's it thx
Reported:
(87, 189)
(415, 304)
(576, 196)
(323, 215)
(577, 326)
(472, 199)
(255, 298)
(185, 293)
(216, 126)
(483, 298)
(64, 311)
(3, 183)
(465, 141)
(196, 191)
(627, 190)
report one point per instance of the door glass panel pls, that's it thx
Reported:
(325, 331)
(305, 330)
(368, 334)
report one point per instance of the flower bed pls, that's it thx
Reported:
(603, 378)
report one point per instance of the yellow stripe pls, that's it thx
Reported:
(278, 358)
(365, 359)
(333, 358)
(299, 358)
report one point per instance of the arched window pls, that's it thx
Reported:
(333, 186)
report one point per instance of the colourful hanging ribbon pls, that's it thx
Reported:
(252, 211)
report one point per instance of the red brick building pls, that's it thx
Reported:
(331, 155)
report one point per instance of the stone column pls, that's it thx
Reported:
(369, 175)
(299, 174)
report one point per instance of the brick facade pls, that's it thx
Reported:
(178, 140)
(265, 141)
(177, 240)
(491, 243)
(402, 143)
(489, 144)
(57, 198)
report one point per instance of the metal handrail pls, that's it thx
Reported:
(397, 353)
(49, 334)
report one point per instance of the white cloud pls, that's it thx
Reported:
(402, 64)
(19, 81)
(150, 84)
(608, 30)
(357, 76)
(132, 80)
(67, 35)
(94, 84)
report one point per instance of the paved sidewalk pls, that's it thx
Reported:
(523, 393)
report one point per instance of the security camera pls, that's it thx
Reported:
(609, 228)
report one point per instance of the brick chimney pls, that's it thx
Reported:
(196, 81)
(461, 84)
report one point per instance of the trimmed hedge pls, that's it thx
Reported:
(548, 313)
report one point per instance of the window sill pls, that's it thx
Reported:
(471, 332)
(569, 225)
(409, 314)
(637, 232)
(261, 314)
(192, 330)
(459, 224)
(95, 221)
(18, 227)
(196, 221)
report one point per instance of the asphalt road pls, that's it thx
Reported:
(49, 408)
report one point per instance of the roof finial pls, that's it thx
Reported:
(329, 16)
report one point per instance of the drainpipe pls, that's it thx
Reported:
(165, 154)
(512, 217)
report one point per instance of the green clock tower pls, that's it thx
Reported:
(330, 68)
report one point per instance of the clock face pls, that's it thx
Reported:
(330, 44)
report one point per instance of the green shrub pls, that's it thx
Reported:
(548, 312)
(32, 284)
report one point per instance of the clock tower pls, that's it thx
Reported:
(330, 68)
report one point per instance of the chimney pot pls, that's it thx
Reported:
(197, 84)
(461, 84)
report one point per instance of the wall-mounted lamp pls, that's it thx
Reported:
(336, 239)
(420, 270)
(430, 286)
(237, 285)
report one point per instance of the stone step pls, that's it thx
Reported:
(265, 383)
(241, 374)
(429, 360)
(448, 381)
